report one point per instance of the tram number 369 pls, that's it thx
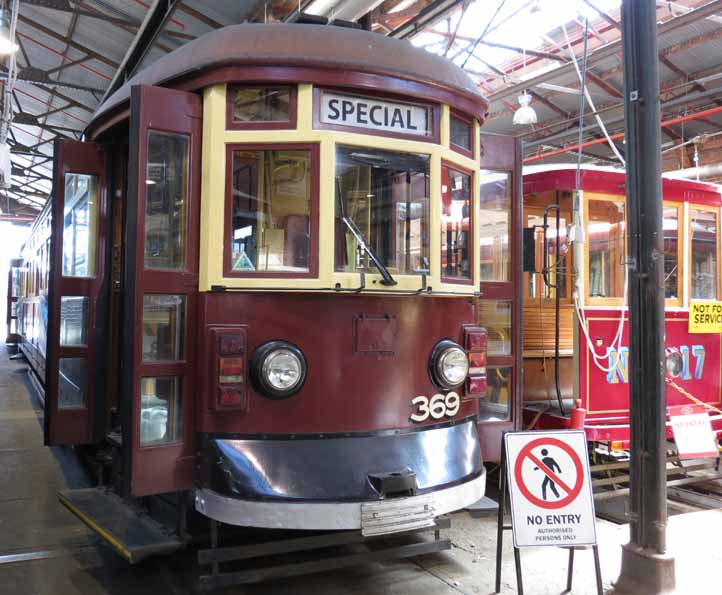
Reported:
(436, 407)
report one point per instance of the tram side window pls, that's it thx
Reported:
(456, 225)
(382, 200)
(461, 134)
(495, 225)
(163, 321)
(704, 226)
(166, 201)
(160, 410)
(71, 383)
(73, 320)
(495, 316)
(80, 220)
(271, 209)
(670, 224)
(605, 239)
(495, 404)
(260, 104)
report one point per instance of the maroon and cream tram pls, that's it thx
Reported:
(271, 264)
(578, 359)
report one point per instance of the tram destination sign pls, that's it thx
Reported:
(550, 489)
(374, 114)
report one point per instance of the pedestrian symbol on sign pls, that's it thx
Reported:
(552, 466)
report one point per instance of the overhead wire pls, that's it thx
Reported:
(615, 346)
(587, 94)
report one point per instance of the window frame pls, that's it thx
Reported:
(496, 284)
(314, 150)
(473, 257)
(601, 197)
(688, 226)
(290, 124)
(677, 302)
(470, 121)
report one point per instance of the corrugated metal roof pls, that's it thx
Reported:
(68, 77)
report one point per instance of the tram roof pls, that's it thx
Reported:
(612, 180)
(336, 50)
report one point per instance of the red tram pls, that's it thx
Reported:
(588, 343)
(269, 282)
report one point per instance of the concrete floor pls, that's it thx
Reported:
(45, 550)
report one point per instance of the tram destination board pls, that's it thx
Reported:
(550, 488)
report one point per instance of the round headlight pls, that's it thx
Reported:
(278, 369)
(449, 364)
(674, 363)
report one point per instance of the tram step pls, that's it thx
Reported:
(133, 534)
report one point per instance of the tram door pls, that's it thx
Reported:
(160, 290)
(499, 304)
(75, 351)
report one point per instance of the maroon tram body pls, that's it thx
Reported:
(274, 310)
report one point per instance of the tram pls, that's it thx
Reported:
(576, 341)
(267, 271)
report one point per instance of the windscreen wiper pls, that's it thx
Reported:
(353, 228)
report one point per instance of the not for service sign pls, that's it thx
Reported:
(551, 489)
(705, 317)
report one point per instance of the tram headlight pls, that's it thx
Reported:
(448, 364)
(674, 363)
(278, 369)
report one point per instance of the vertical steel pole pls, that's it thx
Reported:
(645, 568)
(646, 262)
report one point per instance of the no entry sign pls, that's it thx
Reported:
(550, 488)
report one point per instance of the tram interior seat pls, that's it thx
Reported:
(297, 245)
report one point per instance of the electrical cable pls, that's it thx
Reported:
(616, 344)
(588, 95)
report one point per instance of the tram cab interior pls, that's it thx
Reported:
(217, 214)
(554, 339)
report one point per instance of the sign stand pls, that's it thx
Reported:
(501, 527)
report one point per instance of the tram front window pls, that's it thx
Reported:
(671, 250)
(271, 211)
(385, 195)
(605, 237)
(703, 225)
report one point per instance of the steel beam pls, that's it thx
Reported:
(37, 75)
(155, 20)
(60, 37)
(427, 17)
(608, 50)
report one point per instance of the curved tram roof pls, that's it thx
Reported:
(320, 54)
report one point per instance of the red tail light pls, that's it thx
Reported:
(229, 368)
(475, 343)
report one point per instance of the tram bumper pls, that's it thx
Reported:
(339, 483)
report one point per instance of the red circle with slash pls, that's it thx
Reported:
(572, 492)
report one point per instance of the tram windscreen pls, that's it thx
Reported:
(386, 195)
(703, 227)
(605, 237)
(670, 224)
(271, 211)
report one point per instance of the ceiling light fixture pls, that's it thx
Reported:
(525, 114)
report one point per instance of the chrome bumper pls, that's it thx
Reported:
(392, 515)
